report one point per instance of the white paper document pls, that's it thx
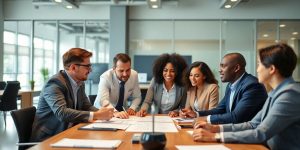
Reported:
(134, 119)
(147, 127)
(190, 132)
(156, 119)
(106, 125)
(83, 143)
(202, 147)
(115, 120)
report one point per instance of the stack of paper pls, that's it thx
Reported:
(83, 143)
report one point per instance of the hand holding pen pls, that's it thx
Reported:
(187, 113)
(141, 113)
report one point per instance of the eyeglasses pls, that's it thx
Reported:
(87, 65)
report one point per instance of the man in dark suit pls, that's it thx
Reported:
(63, 101)
(244, 96)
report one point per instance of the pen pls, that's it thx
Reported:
(124, 109)
(180, 110)
(178, 126)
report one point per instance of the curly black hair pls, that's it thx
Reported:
(205, 70)
(178, 63)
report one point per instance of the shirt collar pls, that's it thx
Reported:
(282, 84)
(73, 82)
(173, 86)
(234, 84)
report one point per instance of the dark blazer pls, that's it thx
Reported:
(154, 93)
(56, 111)
(248, 99)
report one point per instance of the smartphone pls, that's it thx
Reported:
(136, 138)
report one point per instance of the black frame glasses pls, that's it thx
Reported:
(87, 65)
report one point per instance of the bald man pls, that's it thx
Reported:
(244, 96)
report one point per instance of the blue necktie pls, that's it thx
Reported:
(119, 105)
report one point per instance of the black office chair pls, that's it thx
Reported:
(92, 98)
(8, 100)
(23, 119)
(2, 85)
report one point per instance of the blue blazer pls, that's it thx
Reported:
(248, 99)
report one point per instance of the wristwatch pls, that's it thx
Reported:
(218, 137)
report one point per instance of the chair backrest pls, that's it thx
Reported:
(2, 85)
(15, 82)
(9, 97)
(23, 119)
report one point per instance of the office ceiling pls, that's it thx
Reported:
(267, 30)
(101, 2)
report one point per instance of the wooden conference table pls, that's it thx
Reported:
(179, 138)
(26, 97)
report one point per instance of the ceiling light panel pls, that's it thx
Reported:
(154, 3)
(229, 3)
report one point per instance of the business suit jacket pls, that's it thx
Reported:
(108, 90)
(154, 93)
(277, 124)
(56, 108)
(208, 97)
(248, 99)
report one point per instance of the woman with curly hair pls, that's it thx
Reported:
(202, 88)
(166, 88)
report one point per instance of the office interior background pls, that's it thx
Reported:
(36, 33)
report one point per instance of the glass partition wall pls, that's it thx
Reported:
(33, 46)
(209, 41)
(29, 42)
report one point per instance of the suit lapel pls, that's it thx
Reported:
(266, 108)
(160, 89)
(69, 88)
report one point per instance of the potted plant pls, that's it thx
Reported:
(31, 82)
(45, 74)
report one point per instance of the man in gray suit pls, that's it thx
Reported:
(117, 86)
(278, 123)
(63, 101)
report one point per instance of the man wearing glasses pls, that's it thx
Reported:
(117, 86)
(63, 102)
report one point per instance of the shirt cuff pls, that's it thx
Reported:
(208, 119)
(221, 128)
(222, 136)
(91, 117)
(197, 114)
